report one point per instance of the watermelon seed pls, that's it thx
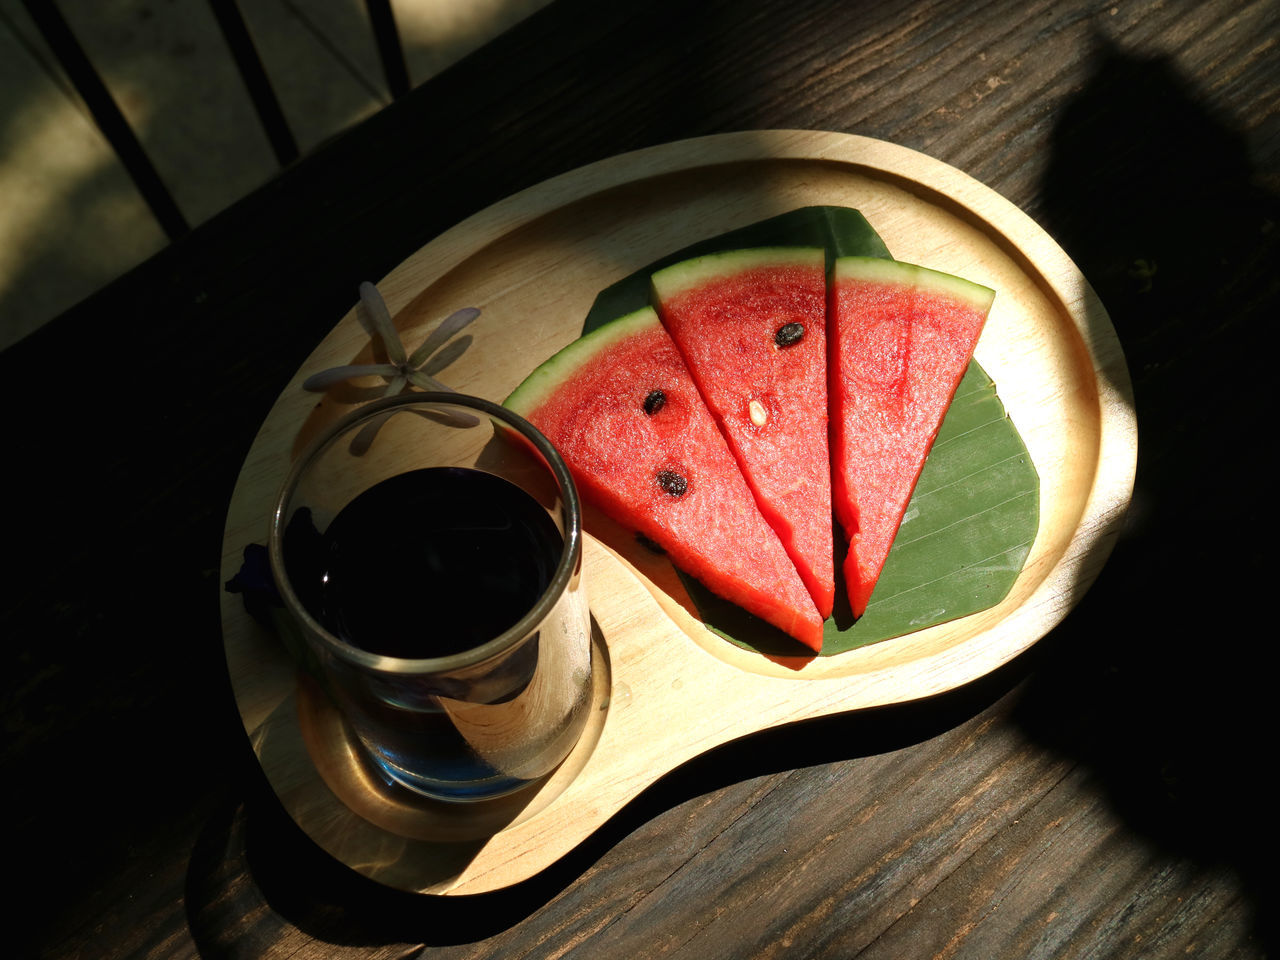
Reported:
(654, 402)
(759, 416)
(649, 544)
(788, 334)
(673, 483)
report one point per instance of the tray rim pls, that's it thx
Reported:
(1106, 500)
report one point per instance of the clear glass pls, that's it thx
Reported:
(405, 597)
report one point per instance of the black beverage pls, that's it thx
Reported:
(431, 563)
(428, 563)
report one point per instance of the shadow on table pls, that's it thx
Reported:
(252, 860)
(1160, 681)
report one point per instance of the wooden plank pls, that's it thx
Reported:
(72, 220)
(265, 102)
(107, 115)
(170, 71)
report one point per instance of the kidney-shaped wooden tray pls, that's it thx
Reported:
(668, 689)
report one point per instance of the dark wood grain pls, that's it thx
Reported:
(1107, 795)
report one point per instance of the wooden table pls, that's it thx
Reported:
(1104, 794)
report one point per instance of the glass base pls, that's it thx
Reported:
(453, 791)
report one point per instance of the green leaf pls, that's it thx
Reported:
(976, 507)
(963, 540)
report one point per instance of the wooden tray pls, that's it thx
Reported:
(669, 689)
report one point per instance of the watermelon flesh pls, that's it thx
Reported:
(900, 340)
(751, 325)
(620, 406)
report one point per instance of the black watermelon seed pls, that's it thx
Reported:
(788, 334)
(649, 544)
(654, 402)
(673, 483)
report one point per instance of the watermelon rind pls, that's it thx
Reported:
(676, 279)
(878, 270)
(544, 381)
(840, 231)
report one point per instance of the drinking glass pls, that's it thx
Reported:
(429, 547)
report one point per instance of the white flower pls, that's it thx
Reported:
(404, 370)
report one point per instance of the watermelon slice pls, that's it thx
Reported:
(621, 407)
(900, 339)
(751, 325)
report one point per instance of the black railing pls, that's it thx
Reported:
(111, 121)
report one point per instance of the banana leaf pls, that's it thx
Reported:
(963, 540)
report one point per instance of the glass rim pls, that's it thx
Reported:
(566, 568)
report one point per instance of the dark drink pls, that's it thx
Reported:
(435, 562)
(430, 563)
